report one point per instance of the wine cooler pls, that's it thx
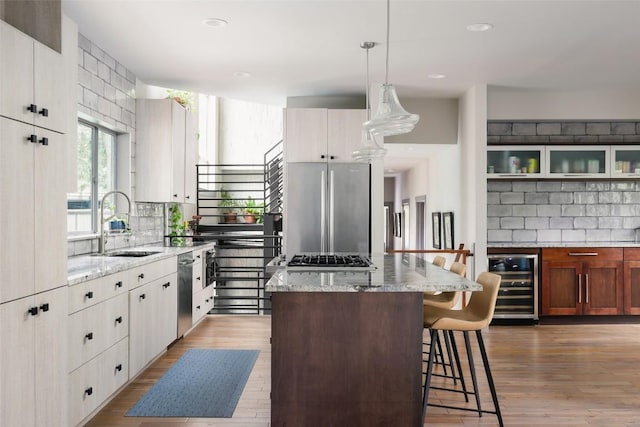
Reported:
(518, 295)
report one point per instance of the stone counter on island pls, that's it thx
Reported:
(347, 346)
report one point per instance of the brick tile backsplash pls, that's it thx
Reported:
(560, 132)
(563, 211)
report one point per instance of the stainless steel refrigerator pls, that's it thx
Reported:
(327, 208)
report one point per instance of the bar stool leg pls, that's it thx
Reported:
(472, 368)
(458, 364)
(492, 387)
(427, 380)
(441, 354)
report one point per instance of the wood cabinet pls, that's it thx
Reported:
(582, 281)
(33, 357)
(153, 309)
(166, 149)
(322, 135)
(632, 281)
(32, 81)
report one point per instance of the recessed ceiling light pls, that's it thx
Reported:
(436, 76)
(479, 27)
(390, 170)
(214, 22)
(242, 74)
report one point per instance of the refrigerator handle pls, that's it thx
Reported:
(323, 211)
(331, 212)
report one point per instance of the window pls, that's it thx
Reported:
(96, 176)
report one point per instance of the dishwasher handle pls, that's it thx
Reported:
(183, 263)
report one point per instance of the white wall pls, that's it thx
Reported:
(438, 123)
(521, 104)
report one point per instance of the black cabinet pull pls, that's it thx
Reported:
(197, 278)
(44, 112)
(143, 296)
(186, 197)
(175, 195)
(119, 284)
(45, 307)
(322, 156)
(198, 256)
(33, 139)
(166, 285)
(141, 276)
(32, 108)
(119, 367)
(33, 311)
(89, 295)
(89, 391)
(332, 157)
(44, 141)
(198, 307)
(119, 319)
(89, 336)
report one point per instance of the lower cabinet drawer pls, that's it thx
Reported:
(86, 335)
(86, 390)
(115, 366)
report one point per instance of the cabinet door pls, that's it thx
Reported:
(50, 252)
(305, 135)
(178, 136)
(86, 390)
(603, 287)
(16, 73)
(115, 367)
(344, 133)
(86, 334)
(191, 158)
(561, 291)
(632, 287)
(51, 369)
(167, 313)
(17, 359)
(116, 320)
(140, 327)
(50, 85)
(17, 213)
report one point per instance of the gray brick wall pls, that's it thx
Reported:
(562, 211)
(106, 93)
(560, 132)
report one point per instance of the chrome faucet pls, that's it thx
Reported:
(102, 239)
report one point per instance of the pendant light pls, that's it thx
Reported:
(390, 118)
(369, 147)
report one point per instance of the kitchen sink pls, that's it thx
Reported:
(131, 253)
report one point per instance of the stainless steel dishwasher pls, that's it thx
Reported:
(185, 292)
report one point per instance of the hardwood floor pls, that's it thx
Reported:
(548, 375)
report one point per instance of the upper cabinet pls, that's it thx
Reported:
(166, 150)
(578, 162)
(32, 81)
(322, 135)
(625, 161)
(515, 162)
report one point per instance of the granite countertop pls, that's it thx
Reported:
(87, 267)
(393, 273)
(564, 245)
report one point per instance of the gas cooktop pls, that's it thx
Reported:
(335, 262)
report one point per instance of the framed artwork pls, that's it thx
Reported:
(397, 224)
(435, 219)
(447, 229)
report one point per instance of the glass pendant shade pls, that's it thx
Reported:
(369, 149)
(390, 118)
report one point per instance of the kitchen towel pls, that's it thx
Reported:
(203, 383)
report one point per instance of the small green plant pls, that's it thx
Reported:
(227, 204)
(182, 97)
(176, 225)
(252, 211)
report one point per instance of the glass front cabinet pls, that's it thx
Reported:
(625, 161)
(515, 161)
(577, 162)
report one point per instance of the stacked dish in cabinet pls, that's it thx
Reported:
(518, 295)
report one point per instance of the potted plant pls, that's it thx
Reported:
(251, 210)
(228, 207)
(176, 226)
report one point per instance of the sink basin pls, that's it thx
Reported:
(131, 253)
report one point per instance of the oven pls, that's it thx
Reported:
(211, 267)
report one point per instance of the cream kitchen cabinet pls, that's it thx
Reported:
(32, 81)
(33, 359)
(322, 135)
(578, 161)
(33, 177)
(153, 310)
(166, 150)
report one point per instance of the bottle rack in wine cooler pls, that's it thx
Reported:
(518, 295)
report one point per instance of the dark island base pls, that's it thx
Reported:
(346, 359)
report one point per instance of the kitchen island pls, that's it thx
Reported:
(347, 346)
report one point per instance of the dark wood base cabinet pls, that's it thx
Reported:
(632, 281)
(346, 359)
(583, 281)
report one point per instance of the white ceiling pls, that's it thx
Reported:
(312, 47)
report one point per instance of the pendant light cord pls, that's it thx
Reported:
(368, 106)
(386, 73)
